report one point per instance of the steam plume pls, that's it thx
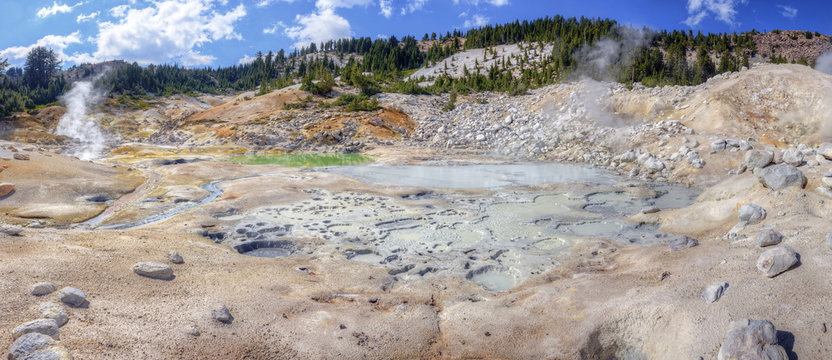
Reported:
(824, 63)
(78, 125)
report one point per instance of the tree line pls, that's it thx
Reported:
(553, 43)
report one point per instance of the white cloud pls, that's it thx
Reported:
(17, 54)
(413, 6)
(273, 29)
(166, 30)
(723, 10)
(56, 8)
(382, 36)
(333, 4)
(264, 3)
(84, 18)
(246, 60)
(497, 3)
(321, 26)
(787, 11)
(385, 8)
(119, 11)
(475, 21)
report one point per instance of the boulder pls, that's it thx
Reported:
(73, 296)
(682, 243)
(653, 164)
(174, 257)
(750, 340)
(153, 270)
(751, 214)
(827, 181)
(713, 292)
(825, 150)
(793, 157)
(781, 176)
(46, 327)
(11, 230)
(35, 346)
(19, 156)
(50, 310)
(222, 314)
(43, 288)
(718, 145)
(769, 238)
(6, 189)
(758, 159)
(777, 260)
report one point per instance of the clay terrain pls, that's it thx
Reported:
(584, 220)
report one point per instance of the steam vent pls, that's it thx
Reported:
(201, 179)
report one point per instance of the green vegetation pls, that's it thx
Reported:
(559, 46)
(451, 104)
(303, 160)
(358, 102)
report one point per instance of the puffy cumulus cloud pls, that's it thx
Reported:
(475, 21)
(723, 10)
(385, 8)
(787, 11)
(169, 30)
(84, 18)
(56, 8)
(119, 11)
(321, 26)
(58, 43)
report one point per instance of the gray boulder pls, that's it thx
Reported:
(43, 288)
(769, 238)
(35, 346)
(153, 270)
(11, 230)
(649, 210)
(718, 145)
(751, 340)
(825, 150)
(777, 260)
(682, 243)
(50, 310)
(222, 314)
(751, 214)
(758, 159)
(653, 164)
(73, 296)
(793, 157)
(714, 291)
(46, 327)
(781, 176)
(174, 257)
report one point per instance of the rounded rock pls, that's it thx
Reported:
(769, 238)
(46, 327)
(27, 344)
(43, 288)
(781, 176)
(153, 270)
(758, 158)
(73, 296)
(775, 261)
(50, 310)
(6, 189)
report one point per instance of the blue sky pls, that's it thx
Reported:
(226, 32)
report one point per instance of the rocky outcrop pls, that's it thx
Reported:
(751, 340)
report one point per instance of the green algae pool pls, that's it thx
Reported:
(302, 160)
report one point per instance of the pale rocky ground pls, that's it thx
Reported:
(603, 300)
